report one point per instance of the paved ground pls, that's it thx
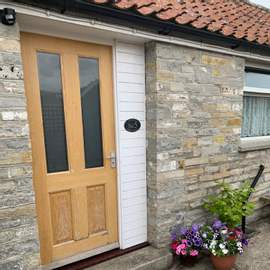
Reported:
(255, 257)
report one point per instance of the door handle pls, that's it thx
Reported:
(112, 158)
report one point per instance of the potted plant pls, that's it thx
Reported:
(230, 205)
(223, 243)
(186, 244)
(225, 235)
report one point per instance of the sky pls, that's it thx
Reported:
(265, 3)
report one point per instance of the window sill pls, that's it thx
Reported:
(254, 143)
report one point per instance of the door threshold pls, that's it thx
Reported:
(79, 257)
(94, 260)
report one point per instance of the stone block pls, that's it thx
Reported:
(11, 115)
(234, 122)
(12, 88)
(195, 161)
(209, 59)
(10, 32)
(194, 171)
(165, 166)
(10, 72)
(9, 45)
(218, 139)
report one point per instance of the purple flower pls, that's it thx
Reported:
(183, 230)
(198, 242)
(217, 224)
(244, 241)
(173, 236)
(195, 228)
(189, 243)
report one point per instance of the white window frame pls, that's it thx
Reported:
(258, 142)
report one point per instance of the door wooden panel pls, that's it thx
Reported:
(61, 217)
(96, 209)
(70, 108)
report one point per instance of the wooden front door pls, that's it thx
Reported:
(70, 108)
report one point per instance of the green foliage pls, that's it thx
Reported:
(230, 204)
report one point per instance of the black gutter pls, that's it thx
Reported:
(131, 18)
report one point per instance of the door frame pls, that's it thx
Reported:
(109, 247)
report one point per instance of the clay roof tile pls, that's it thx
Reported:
(237, 18)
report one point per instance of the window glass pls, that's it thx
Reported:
(49, 72)
(90, 100)
(257, 80)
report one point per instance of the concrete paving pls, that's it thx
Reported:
(147, 258)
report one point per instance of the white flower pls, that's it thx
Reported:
(222, 246)
(205, 246)
(213, 243)
(225, 251)
(204, 235)
(224, 231)
(239, 244)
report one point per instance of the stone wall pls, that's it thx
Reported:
(194, 105)
(19, 248)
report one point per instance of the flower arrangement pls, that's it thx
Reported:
(221, 240)
(186, 241)
(224, 239)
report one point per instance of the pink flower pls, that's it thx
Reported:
(184, 241)
(182, 246)
(178, 250)
(194, 253)
(183, 252)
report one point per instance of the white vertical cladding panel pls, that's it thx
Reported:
(130, 95)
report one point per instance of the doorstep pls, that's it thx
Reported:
(147, 258)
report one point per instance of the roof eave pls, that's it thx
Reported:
(108, 14)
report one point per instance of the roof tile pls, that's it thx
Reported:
(237, 18)
(185, 18)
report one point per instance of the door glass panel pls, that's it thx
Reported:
(52, 111)
(90, 100)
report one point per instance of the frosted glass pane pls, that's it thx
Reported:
(90, 100)
(49, 72)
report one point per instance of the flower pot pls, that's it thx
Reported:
(223, 263)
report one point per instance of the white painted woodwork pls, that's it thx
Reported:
(130, 103)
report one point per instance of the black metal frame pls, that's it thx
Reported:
(253, 185)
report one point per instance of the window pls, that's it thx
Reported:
(255, 132)
(256, 107)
